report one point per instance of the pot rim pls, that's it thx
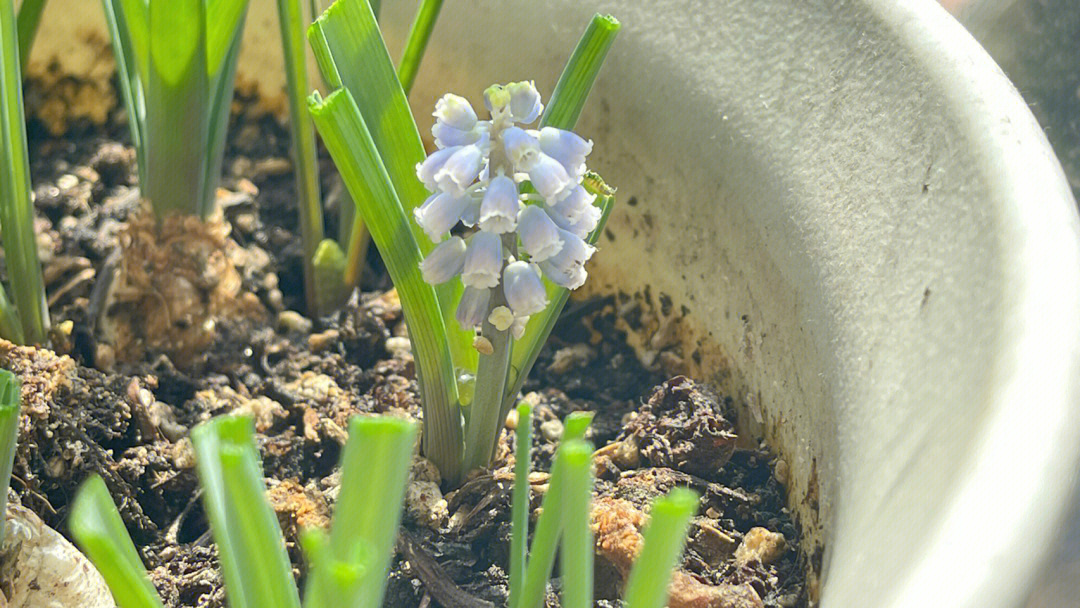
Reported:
(1035, 405)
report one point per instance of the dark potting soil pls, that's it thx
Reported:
(124, 413)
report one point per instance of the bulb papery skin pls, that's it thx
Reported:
(444, 262)
(455, 111)
(525, 106)
(567, 147)
(483, 260)
(439, 214)
(550, 178)
(523, 289)
(538, 233)
(472, 307)
(499, 209)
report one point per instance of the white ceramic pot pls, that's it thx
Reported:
(874, 247)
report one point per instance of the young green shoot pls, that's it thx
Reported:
(251, 549)
(176, 62)
(27, 310)
(519, 509)
(10, 398)
(665, 536)
(348, 567)
(569, 487)
(576, 553)
(375, 468)
(100, 533)
(321, 296)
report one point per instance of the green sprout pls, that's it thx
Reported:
(348, 567)
(564, 527)
(28, 20)
(10, 399)
(24, 319)
(176, 61)
(370, 132)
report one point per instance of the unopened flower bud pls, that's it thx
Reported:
(523, 289)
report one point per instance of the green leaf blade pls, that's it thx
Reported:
(353, 150)
(302, 150)
(29, 18)
(519, 509)
(100, 533)
(577, 79)
(577, 550)
(177, 120)
(417, 42)
(16, 206)
(350, 51)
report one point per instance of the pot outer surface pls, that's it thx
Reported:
(861, 230)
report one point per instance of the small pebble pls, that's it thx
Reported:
(67, 181)
(271, 167)
(570, 357)
(626, 454)
(551, 430)
(512, 419)
(762, 545)
(397, 344)
(104, 356)
(425, 505)
(290, 320)
(323, 340)
(780, 471)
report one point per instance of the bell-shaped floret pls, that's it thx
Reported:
(432, 165)
(523, 289)
(444, 262)
(525, 106)
(521, 148)
(472, 307)
(461, 169)
(538, 233)
(567, 147)
(440, 213)
(574, 204)
(499, 209)
(518, 328)
(483, 260)
(550, 179)
(583, 225)
(567, 268)
(447, 136)
(455, 111)
(470, 215)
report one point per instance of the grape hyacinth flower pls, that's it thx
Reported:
(517, 193)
